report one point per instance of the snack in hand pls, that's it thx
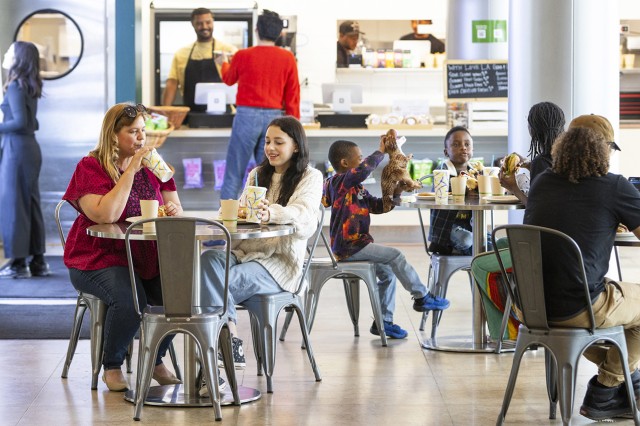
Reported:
(161, 212)
(511, 163)
(621, 229)
(242, 213)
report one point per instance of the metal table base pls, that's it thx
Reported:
(174, 396)
(466, 344)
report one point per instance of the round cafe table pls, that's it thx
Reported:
(187, 394)
(478, 341)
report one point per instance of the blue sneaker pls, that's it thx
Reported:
(430, 303)
(393, 331)
(213, 243)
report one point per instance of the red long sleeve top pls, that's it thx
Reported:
(267, 77)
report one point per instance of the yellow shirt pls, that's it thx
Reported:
(200, 51)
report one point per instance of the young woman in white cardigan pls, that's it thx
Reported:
(270, 265)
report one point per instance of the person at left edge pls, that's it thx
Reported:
(267, 77)
(195, 63)
(23, 231)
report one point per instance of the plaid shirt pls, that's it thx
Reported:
(443, 221)
(351, 205)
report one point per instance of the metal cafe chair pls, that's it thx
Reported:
(178, 254)
(97, 313)
(563, 345)
(264, 310)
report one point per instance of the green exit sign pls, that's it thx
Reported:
(487, 31)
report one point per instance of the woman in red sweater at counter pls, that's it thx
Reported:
(267, 78)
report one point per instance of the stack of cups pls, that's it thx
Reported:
(484, 186)
(441, 186)
(157, 165)
(148, 210)
(229, 214)
(458, 188)
(254, 194)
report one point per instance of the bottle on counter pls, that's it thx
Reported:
(398, 58)
(406, 59)
(388, 59)
(381, 58)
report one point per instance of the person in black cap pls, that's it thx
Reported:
(437, 46)
(349, 33)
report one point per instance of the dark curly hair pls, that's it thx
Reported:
(299, 162)
(580, 153)
(269, 25)
(546, 123)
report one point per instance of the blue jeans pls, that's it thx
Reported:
(112, 286)
(390, 263)
(245, 280)
(462, 240)
(247, 139)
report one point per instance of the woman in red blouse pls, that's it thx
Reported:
(107, 187)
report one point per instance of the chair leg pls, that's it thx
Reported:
(174, 361)
(352, 295)
(305, 336)
(146, 358)
(552, 383)
(227, 356)
(508, 393)
(209, 363)
(375, 307)
(127, 357)
(78, 316)
(98, 312)
(258, 351)
(566, 377)
(285, 326)
(423, 320)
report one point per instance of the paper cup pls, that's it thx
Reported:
(229, 209)
(484, 186)
(231, 225)
(157, 165)
(441, 186)
(148, 210)
(496, 188)
(254, 195)
(458, 187)
(491, 171)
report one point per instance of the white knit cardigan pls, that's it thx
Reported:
(284, 256)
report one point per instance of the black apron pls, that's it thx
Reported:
(199, 71)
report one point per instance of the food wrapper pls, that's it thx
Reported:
(192, 173)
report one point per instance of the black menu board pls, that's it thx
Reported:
(476, 80)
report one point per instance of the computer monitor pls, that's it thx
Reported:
(420, 50)
(341, 96)
(215, 96)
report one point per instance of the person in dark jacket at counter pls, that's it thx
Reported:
(195, 63)
(348, 36)
(437, 46)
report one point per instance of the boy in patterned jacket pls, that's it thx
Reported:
(351, 205)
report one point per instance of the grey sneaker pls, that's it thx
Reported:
(238, 355)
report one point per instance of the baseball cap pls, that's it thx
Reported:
(597, 123)
(350, 27)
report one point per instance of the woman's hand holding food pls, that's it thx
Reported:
(171, 209)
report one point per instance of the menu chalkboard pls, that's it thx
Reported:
(476, 80)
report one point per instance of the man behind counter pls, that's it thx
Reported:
(195, 63)
(349, 32)
(437, 46)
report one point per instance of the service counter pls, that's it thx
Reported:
(211, 144)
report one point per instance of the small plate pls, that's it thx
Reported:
(625, 234)
(502, 199)
(133, 219)
(240, 221)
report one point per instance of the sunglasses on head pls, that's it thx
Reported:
(132, 111)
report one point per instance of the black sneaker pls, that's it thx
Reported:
(204, 390)
(239, 360)
(604, 403)
(39, 269)
(15, 271)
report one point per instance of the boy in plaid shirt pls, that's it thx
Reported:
(351, 205)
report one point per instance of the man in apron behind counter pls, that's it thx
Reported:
(195, 63)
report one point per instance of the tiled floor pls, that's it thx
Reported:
(363, 383)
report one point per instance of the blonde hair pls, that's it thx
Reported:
(107, 150)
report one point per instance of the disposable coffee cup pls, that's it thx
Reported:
(231, 225)
(484, 186)
(254, 194)
(157, 165)
(441, 186)
(229, 210)
(148, 210)
(458, 188)
(496, 188)
(491, 171)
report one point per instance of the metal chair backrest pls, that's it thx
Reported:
(311, 248)
(527, 244)
(56, 215)
(177, 251)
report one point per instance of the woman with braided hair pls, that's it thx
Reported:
(546, 123)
